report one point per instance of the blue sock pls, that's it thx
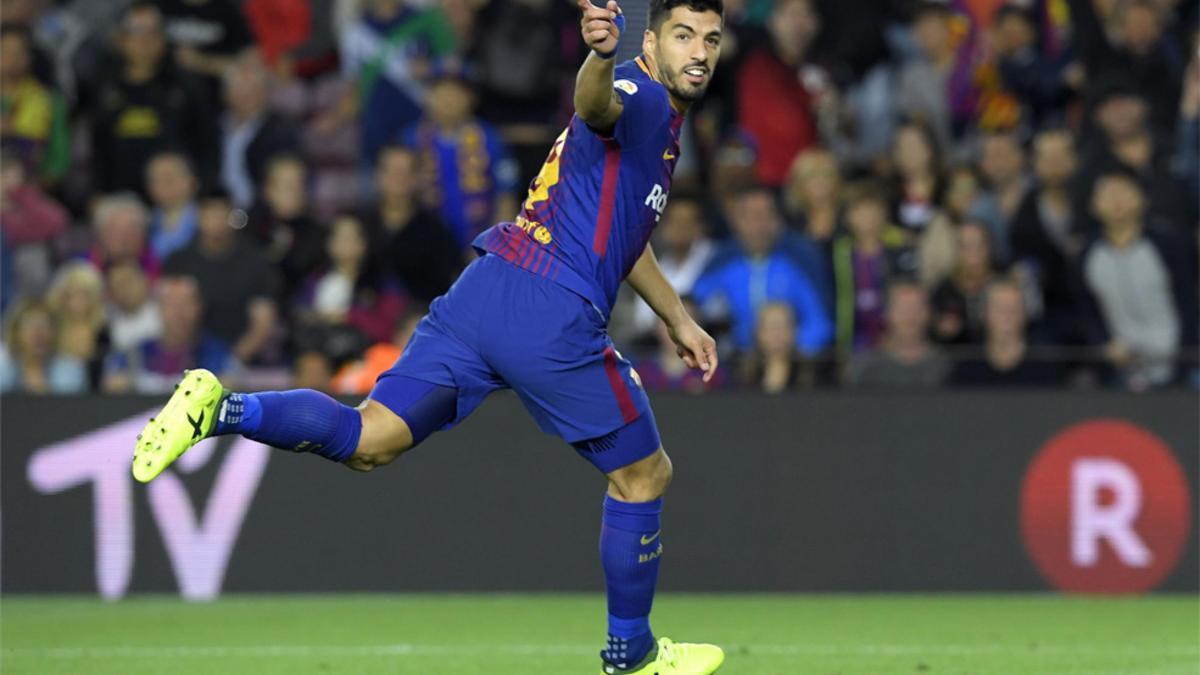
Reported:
(301, 420)
(630, 550)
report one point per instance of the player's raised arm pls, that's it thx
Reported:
(596, 102)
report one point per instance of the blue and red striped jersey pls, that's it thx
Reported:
(591, 209)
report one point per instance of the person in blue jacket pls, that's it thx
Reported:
(762, 267)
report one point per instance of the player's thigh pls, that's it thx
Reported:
(438, 381)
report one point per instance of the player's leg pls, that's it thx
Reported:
(299, 420)
(436, 382)
(576, 386)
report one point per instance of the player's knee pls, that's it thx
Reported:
(664, 471)
(384, 437)
(645, 480)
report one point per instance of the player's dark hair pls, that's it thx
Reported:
(660, 9)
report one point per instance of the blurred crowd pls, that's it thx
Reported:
(874, 192)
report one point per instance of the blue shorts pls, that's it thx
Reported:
(501, 326)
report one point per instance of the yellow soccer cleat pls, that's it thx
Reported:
(187, 419)
(676, 659)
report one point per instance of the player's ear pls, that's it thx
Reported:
(648, 41)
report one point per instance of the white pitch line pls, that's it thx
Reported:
(418, 650)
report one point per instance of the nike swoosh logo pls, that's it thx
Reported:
(667, 155)
(196, 424)
(648, 540)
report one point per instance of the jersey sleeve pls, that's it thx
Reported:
(646, 110)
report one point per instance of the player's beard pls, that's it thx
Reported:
(680, 88)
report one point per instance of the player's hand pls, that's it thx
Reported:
(696, 347)
(600, 30)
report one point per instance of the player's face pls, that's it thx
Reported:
(686, 48)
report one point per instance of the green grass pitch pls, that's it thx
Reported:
(560, 634)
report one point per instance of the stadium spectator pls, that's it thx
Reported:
(132, 315)
(663, 370)
(235, 281)
(386, 57)
(207, 35)
(1044, 238)
(1121, 139)
(280, 223)
(29, 361)
(1186, 162)
(958, 299)
(251, 133)
(864, 260)
(853, 46)
(471, 177)
(31, 222)
(121, 221)
(76, 297)
(413, 244)
(1140, 286)
(349, 290)
(683, 250)
(778, 90)
(1131, 47)
(358, 376)
(520, 72)
(963, 200)
(917, 183)
(172, 187)
(33, 117)
(924, 81)
(811, 195)
(155, 365)
(1038, 74)
(313, 369)
(759, 269)
(146, 105)
(1006, 359)
(775, 365)
(905, 357)
(1002, 163)
(281, 28)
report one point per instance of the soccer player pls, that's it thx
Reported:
(530, 314)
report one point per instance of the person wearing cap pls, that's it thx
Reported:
(470, 178)
(385, 57)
